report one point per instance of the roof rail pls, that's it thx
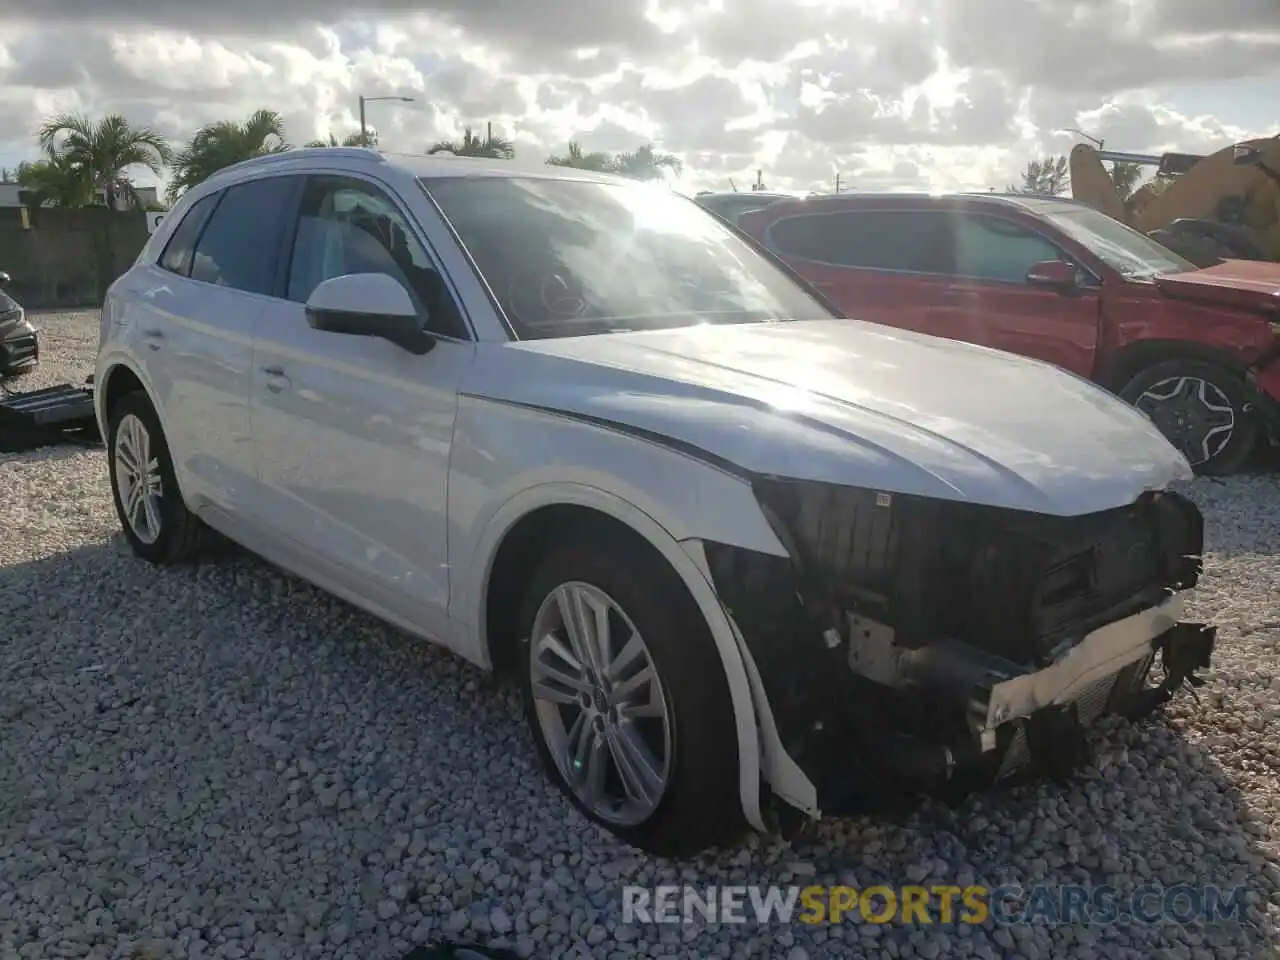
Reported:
(294, 153)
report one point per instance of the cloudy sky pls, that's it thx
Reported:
(888, 93)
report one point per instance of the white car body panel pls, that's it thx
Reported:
(900, 411)
(201, 384)
(390, 479)
(351, 441)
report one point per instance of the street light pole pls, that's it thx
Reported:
(1100, 143)
(364, 129)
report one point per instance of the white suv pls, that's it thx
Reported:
(747, 559)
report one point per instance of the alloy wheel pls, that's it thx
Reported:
(1195, 415)
(601, 706)
(138, 483)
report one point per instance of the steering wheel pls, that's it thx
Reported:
(545, 292)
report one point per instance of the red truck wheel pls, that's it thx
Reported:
(1202, 408)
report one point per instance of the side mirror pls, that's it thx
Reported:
(1057, 274)
(1245, 155)
(368, 305)
(5, 280)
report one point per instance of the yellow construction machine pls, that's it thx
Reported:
(1208, 209)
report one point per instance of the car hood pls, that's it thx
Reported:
(1248, 284)
(853, 403)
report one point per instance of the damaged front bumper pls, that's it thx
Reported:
(19, 340)
(916, 646)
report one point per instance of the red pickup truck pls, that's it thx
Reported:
(1197, 349)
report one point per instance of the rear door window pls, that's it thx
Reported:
(914, 241)
(240, 248)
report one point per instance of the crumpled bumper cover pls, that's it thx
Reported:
(1053, 735)
(1104, 654)
(965, 718)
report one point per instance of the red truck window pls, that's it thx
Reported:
(905, 240)
(991, 248)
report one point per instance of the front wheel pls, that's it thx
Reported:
(1202, 408)
(627, 700)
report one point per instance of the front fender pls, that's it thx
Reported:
(508, 461)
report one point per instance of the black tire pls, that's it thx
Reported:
(1200, 250)
(1225, 455)
(700, 807)
(1236, 242)
(181, 535)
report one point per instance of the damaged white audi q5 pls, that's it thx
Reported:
(750, 562)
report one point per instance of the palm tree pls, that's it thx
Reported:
(221, 144)
(1050, 177)
(1126, 177)
(580, 160)
(56, 181)
(646, 164)
(369, 139)
(106, 151)
(495, 148)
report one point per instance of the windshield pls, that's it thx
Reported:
(566, 258)
(1125, 250)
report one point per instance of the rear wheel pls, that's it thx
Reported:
(627, 700)
(155, 520)
(1202, 408)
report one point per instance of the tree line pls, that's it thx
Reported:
(1051, 177)
(82, 160)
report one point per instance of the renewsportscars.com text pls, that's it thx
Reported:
(941, 905)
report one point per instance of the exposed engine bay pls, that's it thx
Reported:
(911, 644)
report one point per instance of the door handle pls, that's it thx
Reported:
(152, 338)
(276, 379)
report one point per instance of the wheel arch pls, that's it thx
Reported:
(115, 381)
(527, 519)
(1132, 358)
(120, 380)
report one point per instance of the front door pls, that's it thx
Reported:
(992, 257)
(352, 433)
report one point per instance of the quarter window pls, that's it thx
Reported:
(991, 248)
(348, 226)
(178, 251)
(240, 247)
(905, 240)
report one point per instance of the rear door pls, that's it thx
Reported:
(993, 254)
(214, 279)
(890, 266)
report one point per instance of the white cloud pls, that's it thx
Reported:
(908, 94)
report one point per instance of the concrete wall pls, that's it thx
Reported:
(68, 258)
(9, 195)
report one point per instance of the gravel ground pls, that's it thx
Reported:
(223, 762)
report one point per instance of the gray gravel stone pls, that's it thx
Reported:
(221, 761)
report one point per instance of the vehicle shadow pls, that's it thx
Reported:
(222, 727)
